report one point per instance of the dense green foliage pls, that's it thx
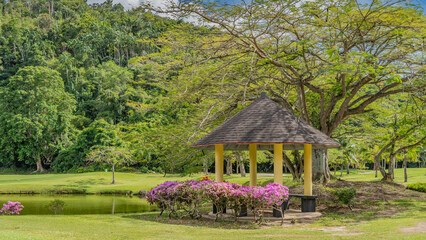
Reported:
(36, 116)
(420, 187)
(346, 195)
(80, 93)
(79, 81)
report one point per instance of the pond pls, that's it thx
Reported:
(79, 204)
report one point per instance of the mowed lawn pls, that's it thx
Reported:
(100, 182)
(413, 175)
(93, 182)
(406, 225)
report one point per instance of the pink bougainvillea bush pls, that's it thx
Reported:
(189, 195)
(11, 208)
(270, 196)
(174, 196)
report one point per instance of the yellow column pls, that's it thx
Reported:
(278, 163)
(253, 164)
(218, 157)
(308, 168)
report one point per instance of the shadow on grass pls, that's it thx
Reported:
(396, 209)
(66, 190)
(91, 181)
(202, 222)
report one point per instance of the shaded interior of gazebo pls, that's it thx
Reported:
(265, 125)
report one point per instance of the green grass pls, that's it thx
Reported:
(414, 175)
(97, 182)
(131, 227)
(148, 226)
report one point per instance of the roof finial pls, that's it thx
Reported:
(263, 95)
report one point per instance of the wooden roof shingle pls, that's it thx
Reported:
(264, 122)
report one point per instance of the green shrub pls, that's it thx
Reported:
(144, 170)
(116, 192)
(127, 169)
(67, 191)
(91, 168)
(420, 187)
(345, 195)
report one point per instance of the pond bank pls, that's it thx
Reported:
(99, 182)
(79, 204)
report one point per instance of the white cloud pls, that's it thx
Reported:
(160, 3)
(129, 4)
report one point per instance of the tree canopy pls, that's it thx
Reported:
(35, 116)
(74, 75)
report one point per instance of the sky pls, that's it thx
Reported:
(129, 4)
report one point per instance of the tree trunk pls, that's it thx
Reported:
(341, 170)
(39, 167)
(391, 165)
(335, 170)
(405, 167)
(375, 168)
(39, 164)
(318, 165)
(237, 165)
(241, 166)
(292, 168)
(242, 169)
(228, 166)
(206, 166)
(327, 172)
(113, 173)
(320, 169)
(299, 159)
(347, 169)
(164, 167)
(387, 178)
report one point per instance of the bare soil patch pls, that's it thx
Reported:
(420, 228)
(340, 231)
(370, 197)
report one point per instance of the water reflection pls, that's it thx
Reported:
(79, 204)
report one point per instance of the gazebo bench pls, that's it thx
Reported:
(308, 205)
(308, 202)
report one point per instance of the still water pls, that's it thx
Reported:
(79, 204)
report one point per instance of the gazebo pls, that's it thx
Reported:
(265, 125)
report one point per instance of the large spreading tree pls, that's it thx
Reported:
(35, 116)
(328, 61)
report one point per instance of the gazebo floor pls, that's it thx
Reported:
(290, 215)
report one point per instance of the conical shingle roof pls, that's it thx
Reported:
(264, 122)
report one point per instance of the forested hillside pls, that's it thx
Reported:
(78, 82)
(68, 84)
